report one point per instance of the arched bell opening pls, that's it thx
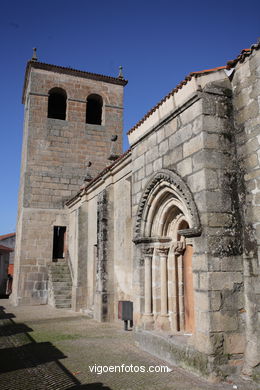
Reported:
(57, 104)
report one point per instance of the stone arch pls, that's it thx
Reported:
(165, 190)
(94, 109)
(57, 103)
(167, 215)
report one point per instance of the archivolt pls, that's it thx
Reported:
(165, 193)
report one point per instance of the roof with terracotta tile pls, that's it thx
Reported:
(173, 91)
(5, 249)
(230, 64)
(243, 55)
(69, 71)
(5, 236)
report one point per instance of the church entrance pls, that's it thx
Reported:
(168, 301)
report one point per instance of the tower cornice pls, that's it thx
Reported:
(69, 71)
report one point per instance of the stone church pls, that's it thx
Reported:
(172, 225)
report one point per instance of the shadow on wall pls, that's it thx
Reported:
(26, 364)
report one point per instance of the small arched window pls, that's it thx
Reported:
(57, 103)
(94, 109)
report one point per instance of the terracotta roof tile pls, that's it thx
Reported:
(4, 248)
(173, 91)
(244, 53)
(3, 237)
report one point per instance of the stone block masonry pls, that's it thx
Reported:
(202, 142)
(54, 160)
(172, 225)
(246, 102)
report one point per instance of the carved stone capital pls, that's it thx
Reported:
(163, 251)
(148, 252)
(179, 247)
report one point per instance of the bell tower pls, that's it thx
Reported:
(70, 118)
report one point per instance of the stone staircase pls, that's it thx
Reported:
(60, 285)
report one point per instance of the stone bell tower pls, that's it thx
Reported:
(70, 117)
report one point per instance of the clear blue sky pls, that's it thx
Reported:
(157, 42)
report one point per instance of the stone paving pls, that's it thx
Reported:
(47, 348)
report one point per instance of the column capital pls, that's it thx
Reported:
(163, 251)
(148, 251)
(179, 247)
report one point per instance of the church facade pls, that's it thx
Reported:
(172, 225)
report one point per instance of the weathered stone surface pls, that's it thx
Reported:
(188, 189)
(185, 167)
(180, 136)
(222, 280)
(234, 343)
(193, 145)
(54, 156)
(223, 321)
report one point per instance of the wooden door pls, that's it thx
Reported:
(189, 318)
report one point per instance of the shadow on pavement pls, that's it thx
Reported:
(91, 386)
(26, 364)
(5, 316)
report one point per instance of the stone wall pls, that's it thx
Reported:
(34, 248)
(202, 141)
(196, 141)
(246, 91)
(100, 243)
(54, 159)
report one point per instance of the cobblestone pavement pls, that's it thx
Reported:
(46, 348)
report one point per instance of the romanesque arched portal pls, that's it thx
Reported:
(167, 219)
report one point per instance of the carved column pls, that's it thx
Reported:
(163, 319)
(178, 249)
(148, 254)
(148, 305)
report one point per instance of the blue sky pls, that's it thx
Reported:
(157, 42)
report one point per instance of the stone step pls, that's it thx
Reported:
(63, 279)
(63, 302)
(60, 272)
(63, 268)
(61, 284)
(59, 301)
(57, 293)
(61, 292)
(62, 297)
(63, 306)
(56, 276)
